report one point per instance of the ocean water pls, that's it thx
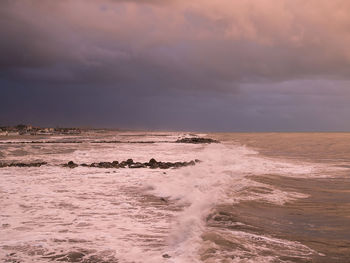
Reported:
(264, 197)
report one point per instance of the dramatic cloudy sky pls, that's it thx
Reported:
(223, 65)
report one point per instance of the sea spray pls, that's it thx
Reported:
(141, 215)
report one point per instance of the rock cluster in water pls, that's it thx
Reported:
(182, 140)
(35, 164)
(153, 164)
(196, 140)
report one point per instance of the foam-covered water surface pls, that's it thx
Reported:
(54, 213)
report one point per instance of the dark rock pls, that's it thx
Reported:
(105, 165)
(152, 161)
(178, 164)
(165, 165)
(129, 161)
(196, 140)
(71, 165)
(123, 164)
(115, 164)
(153, 164)
(35, 164)
(166, 256)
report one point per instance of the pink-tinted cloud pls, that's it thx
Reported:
(165, 47)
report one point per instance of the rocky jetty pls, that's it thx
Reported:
(76, 141)
(71, 164)
(152, 164)
(35, 164)
(196, 140)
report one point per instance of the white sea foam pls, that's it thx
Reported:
(113, 210)
(221, 178)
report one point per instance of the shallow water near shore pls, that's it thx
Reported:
(264, 197)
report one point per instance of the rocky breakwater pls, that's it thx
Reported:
(152, 164)
(196, 140)
(35, 164)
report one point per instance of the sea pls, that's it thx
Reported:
(254, 197)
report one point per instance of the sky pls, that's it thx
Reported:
(199, 65)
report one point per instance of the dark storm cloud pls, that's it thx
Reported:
(225, 47)
(172, 63)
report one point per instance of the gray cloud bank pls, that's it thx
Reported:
(227, 66)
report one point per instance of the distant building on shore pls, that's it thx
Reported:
(23, 129)
(3, 133)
